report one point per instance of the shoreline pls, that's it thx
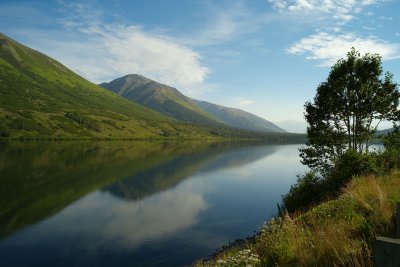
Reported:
(300, 239)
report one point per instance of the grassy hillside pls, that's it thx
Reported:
(39, 97)
(338, 232)
(162, 98)
(171, 102)
(239, 118)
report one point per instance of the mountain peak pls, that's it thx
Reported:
(160, 97)
(171, 102)
(135, 77)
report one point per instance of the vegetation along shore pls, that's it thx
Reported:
(334, 212)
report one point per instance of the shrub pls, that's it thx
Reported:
(3, 129)
(338, 232)
(392, 140)
(306, 191)
(311, 188)
(350, 164)
(390, 157)
(82, 120)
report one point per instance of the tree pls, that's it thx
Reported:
(347, 109)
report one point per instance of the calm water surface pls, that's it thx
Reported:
(135, 203)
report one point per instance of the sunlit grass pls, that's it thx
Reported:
(336, 233)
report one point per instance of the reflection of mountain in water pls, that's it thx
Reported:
(239, 157)
(168, 173)
(38, 179)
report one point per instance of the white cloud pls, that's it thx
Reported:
(341, 10)
(245, 102)
(113, 50)
(328, 48)
(225, 25)
(385, 18)
(221, 28)
(368, 28)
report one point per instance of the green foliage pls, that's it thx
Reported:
(312, 189)
(392, 140)
(86, 122)
(307, 190)
(349, 165)
(346, 108)
(3, 128)
(390, 157)
(339, 232)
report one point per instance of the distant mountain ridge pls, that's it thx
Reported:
(162, 98)
(169, 101)
(385, 131)
(239, 118)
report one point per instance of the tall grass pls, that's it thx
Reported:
(339, 232)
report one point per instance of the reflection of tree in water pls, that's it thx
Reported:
(38, 179)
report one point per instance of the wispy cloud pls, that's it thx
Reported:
(386, 18)
(227, 24)
(245, 102)
(116, 49)
(328, 48)
(340, 10)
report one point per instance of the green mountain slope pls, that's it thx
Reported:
(239, 118)
(173, 103)
(162, 98)
(39, 97)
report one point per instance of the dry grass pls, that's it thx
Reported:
(336, 233)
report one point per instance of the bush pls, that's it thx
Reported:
(82, 120)
(3, 129)
(350, 164)
(392, 140)
(307, 190)
(312, 189)
(390, 157)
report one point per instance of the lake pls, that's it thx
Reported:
(135, 203)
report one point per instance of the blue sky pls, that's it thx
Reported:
(264, 56)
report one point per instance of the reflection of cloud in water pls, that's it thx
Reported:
(154, 217)
(171, 172)
(132, 223)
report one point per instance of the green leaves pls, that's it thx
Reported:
(348, 108)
